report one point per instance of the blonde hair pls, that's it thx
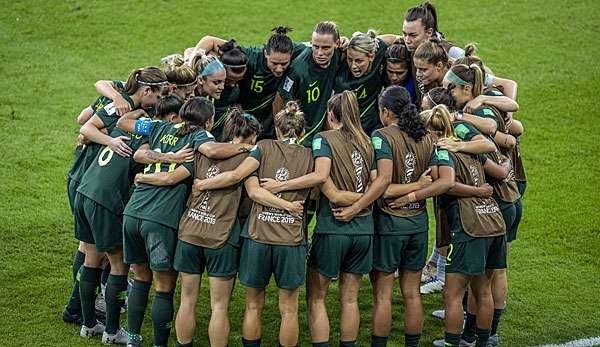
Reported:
(439, 120)
(290, 120)
(328, 28)
(344, 107)
(364, 42)
(178, 72)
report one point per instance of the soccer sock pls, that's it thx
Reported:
(136, 306)
(320, 344)
(482, 337)
(412, 340)
(104, 279)
(88, 282)
(189, 344)
(496, 320)
(441, 268)
(74, 304)
(116, 289)
(348, 343)
(465, 301)
(250, 343)
(435, 256)
(469, 330)
(78, 260)
(162, 317)
(378, 341)
(451, 340)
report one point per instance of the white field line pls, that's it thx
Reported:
(590, 341)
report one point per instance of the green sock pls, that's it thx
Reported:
(78, 260)
(320, 344)
(105, 274)
(451, 340)
(250, 343)
(412, 340)
(482, 337)
(88, 282)
(74, 304)
(378, 341)
(469, 330)
(348, 343)
(136, 306)
(496, 320)
(116, 289)
(162, 317)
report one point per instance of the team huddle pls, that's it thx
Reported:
(220, 161)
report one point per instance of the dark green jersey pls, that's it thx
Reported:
(366, 88)
(229, 97)
(108, 114)
(311, 86)
(108, 179)
(258, 88)
(164, 205)
(465, 131)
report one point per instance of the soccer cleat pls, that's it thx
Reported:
(433, 286)
(440, 314)
(494, 341)
(71, 318)
(464, 343)
(439, 343)
(134, 340)
(429, 271)
(118, 338)
(93, 331)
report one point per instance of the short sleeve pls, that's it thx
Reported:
(200, 138)
(485, 112)
(441, 157)
(320, 147)
(382, 147)
(466, 131)
(255, 153)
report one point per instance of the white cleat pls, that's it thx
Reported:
(433, 286)
(89, 332)
(118, 338)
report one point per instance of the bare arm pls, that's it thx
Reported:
(338, 197)
(85, 115)
(91, 130)
(499, 171)
(465, 191)
(505, 140)
(127, 121)
(509, 87)
(388, 38)
(219, 150)
(107, 88)
(210, 44)
(228, 178)
(445, 180)
(516, 128)
(265, 198)
(479, 144)
(145, 155)
(485, 125)
(315, 178)
(397, 189)
(163, 178)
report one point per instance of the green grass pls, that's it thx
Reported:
(53, 51)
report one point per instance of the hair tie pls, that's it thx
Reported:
(247, 116)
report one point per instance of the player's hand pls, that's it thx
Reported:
(452, 146)
(425, 178)
(399, 202)
(184, 155)
(271, 185)
(345, 214)
(296, 208)
(485, 191)
(118, 146)
(121, 105)
(474, 104)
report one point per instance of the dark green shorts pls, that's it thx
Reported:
(477, 255)
(97, 225)
(404, 252)
(258, 261)
(71, 192)
(509, 214)
(220, 262)
(331, 254)
(518, 209)
(148, 242)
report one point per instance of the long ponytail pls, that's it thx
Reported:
(344, 107)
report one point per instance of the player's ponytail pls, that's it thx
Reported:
(279, 41)
(439, 120)
(345, 110)
(290, 120)
(240, 124)
(397, 100)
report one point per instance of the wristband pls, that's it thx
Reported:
(412, 197)
(459, 115)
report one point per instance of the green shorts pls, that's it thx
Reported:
(522, 185)
(97, 225)
(259, 260)
(148, 242)
(509, 214)
(404, 252)
(71, 192)
(477, 255)
(220, 262)
(331, 254)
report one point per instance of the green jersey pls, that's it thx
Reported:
(259, 86)
(229, 97)
(165, 204)
(465, 131)
(108, 179)
(108, 115)
(366, 88)
(311, 86)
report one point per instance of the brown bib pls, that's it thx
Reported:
(210, 215)
(479, 217)
(281, 162)
(350, 164)
(514, 154)
(410, 160)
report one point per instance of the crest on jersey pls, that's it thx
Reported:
(212, 171)
(410, 161)
(357, 161)
(475, 174)
(282, 174)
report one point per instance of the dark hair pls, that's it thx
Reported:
(195, 113)
(240, 124)
(432, 52)
(279, 41)
(290, 120)
(441, 96)
(397, 53)
(426, 13)
(168, 104)
(328, 28)
(397, 100)
(151, 76)
(233, 56)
